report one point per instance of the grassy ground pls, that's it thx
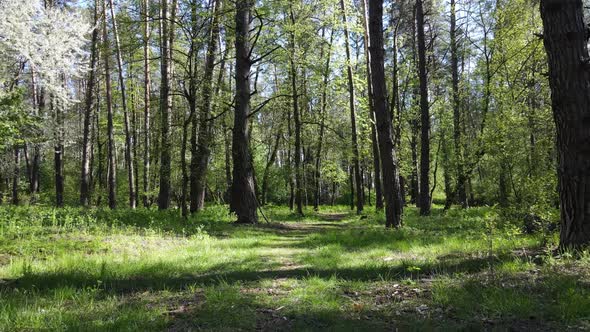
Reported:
(146, 270)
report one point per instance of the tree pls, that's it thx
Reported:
(324, 104)
(129, 155)
(296, 117)
(460, 190)
(389, 163)
(86, 141)
(165, 108)
(424, 113)
(146, 103)
(565, 36)
(243, 196)
(374, 140)
(352, 104)
(202, 151)
(112, 161)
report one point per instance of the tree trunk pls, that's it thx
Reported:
(147, 104)
(424, 114)
(297, 122)
(461, 191)
(16, 176)
(129, 158)
(290, 179)
(318, 157)
(39, 103)
(414, 179)
(58, 155)
(165, 111)
(200, 160)
(565, 37)
(374, 139)
(112, 172)
(185, 176)
(243, 198)
(99, 148)
(85, 183)
(352, 104)
(389, 162)
(351, 182)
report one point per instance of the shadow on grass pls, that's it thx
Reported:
(163, 276)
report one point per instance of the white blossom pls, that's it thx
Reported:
(50, 40)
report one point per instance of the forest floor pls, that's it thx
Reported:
(145, 270)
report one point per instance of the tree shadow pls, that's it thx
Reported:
(162, 276)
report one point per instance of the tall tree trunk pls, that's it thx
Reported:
(352, 105)
(39, 103)
(297, 122)
(58, 154)
(396, 104)
(112, 172)
(291, 178)
(85, 183)
(424, 113)
(351, 183)
(461, 190)
(147, 103)
(414, 178)
(99, 147)
(318, 157)
(129, 158)
(374, 139)
(389, 162)
(134, 131)
(200, 160)
(165, 111)
(191, 95)
(243, 198)
(565, 37)
(185, 175)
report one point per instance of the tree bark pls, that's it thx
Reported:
(424, 114)
(200, 160)
(352, 104)
(565, 37)
(39, 103)
(389, 162)
(318, 157)
(461, 191)
(85, 183)
(58, 154)
(112, 172)
(129, 158)
(165, 111)
(147, 104)
(16, 176)
(243, 198)
(297, 122)
(374, 139)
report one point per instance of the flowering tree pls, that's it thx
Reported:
(50, 40)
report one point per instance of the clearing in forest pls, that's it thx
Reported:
(144, 270)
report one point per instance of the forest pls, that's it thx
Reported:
(294, 165)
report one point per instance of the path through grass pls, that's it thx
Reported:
(146, 270)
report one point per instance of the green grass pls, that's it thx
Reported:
(75, 269)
